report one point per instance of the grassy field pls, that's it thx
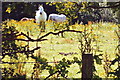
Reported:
(107, 42)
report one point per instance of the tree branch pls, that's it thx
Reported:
(24, 39)
(41, 38)
(59, 33)
(117, 34)
(98, 7)
(21, 51)
(51, 74)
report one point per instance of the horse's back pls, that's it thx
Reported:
(57, 18)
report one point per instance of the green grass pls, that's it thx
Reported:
(107, 42)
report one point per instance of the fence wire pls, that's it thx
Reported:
(26, 62)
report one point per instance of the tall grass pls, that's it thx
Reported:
(104, 34)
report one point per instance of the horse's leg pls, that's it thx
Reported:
(41, 26)
(44, 26)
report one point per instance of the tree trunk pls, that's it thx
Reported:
(0, 36)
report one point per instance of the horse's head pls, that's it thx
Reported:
(41, 9)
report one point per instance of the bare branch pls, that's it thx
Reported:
(117, 34)
(41, 38)
(21, 51)
(59, 33)
(24, 39)
(52, 74)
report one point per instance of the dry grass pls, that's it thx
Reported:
(107, 42)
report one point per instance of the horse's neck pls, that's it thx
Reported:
(44, 13)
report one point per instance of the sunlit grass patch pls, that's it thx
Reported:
(103, 33)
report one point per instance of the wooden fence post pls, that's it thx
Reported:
(87, 64)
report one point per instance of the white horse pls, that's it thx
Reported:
(27, 19)
(41, 15)
(57, 17)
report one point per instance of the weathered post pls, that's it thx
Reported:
(0, 36)
(87, 64)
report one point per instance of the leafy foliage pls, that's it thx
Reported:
(91, 33)
(116, 72)
(11, 49)
(9, 45)
(60, 68)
